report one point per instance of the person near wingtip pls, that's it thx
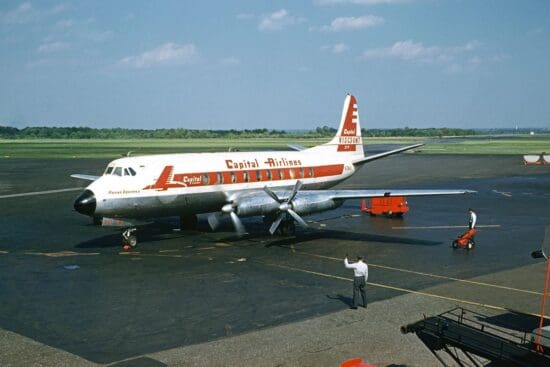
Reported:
(360, 276)
(473, 219)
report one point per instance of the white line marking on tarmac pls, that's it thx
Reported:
(448, 227)
(430, 275)
(500, 308)
(46, 192)
(62, 253)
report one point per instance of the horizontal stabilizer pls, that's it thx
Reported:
(296, 147)
(385, 154)
(85, 177)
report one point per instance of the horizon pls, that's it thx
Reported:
(262, 65)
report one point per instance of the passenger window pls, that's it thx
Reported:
(205, 178)
(117, 171)
(310, 171)
(233, 177)
(280, 173)
(258, 175)
(219, 178)
(268, 175)
(132, 172)
(291, 173)
(301, 172)
(246, 176)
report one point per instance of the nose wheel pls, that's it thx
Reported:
(129, 238)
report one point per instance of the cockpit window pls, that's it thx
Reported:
(117, 171)
(109, 170)
(126, 172)
(132, 172)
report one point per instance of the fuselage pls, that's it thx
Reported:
(192, 183)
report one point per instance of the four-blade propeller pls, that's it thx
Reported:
(285, 206)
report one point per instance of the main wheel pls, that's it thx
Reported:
(455, 244)
(130, 240)
(470, 244)
(286, 228)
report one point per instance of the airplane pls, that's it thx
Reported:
(281, 186)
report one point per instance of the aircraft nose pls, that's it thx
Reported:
(85, 203)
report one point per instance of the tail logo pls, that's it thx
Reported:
(349, 139)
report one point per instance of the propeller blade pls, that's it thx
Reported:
(276, 223)
(272, 194)
(297, 218)
(239, 227)
(295, 190)
(214, 220)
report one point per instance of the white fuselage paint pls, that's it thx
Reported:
(191, 182)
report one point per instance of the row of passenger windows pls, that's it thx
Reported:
(120, 171)
(260, 175)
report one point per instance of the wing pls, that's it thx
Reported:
(85, 177)
(359, 194)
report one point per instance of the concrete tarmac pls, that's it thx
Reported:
(70, 296)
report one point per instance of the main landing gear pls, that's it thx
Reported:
(129, 238)
(286, 228)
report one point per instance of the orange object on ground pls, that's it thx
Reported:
(392, 206)
(466, 240)
(356, 362)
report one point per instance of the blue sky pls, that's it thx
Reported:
(274, 64)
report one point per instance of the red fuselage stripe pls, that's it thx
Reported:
(240, 176)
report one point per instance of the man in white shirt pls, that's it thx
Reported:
(473, 219)
(360, 275)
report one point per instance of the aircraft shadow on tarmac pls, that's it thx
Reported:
(349, 236)
(164, 230)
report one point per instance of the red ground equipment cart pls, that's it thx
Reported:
(391, 206)
(466, 240)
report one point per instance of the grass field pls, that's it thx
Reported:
(44, 148)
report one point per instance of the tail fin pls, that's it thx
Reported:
(348, 138)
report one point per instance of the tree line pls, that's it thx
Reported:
(7, 132)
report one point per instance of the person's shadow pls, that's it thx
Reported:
(345, 300)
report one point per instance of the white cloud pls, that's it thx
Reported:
(64, 24)
(336, 49)
(24, 13)
(99, 36)
(168, 54)
(452, 59)
(49, 47)
(352, 23)
(359, 2)
(278, 20)
(416, 51)
(230, 61)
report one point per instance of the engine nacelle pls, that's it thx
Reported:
(259, 205)
(313, 205)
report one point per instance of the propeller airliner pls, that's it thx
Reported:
(282, 186)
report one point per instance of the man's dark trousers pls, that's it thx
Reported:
(359, 286)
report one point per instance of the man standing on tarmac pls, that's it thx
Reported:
(473, 219)
(360, 275)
